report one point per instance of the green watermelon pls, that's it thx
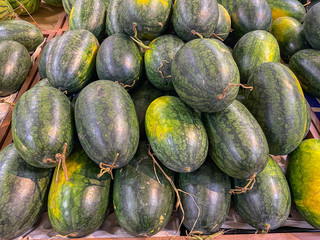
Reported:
(158, 60)
(23, 191)
(72, 61)
(43, 82)
(107, 123)
(176, 134)
(6, 10)
(210, 189)
(142, 203)
(195, 15)
(308, 119)
(202, 69)
(55, 3)
(29, 6)
(15, 63)
(253, 49)
(23, 32)
(312, 26)
(287, 8)
(67, 5)
(42, 123)
(267, 205)
(278, 104)
(89, 15)
(77, 207)
(227, 4)
(237, 143)
(303, 171)
(306, 66)
(224, 24)
(113, 24)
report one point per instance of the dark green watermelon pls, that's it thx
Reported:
(56, 3)
(306, 66)
(312, 26)
(210, 188)
(158, 60)
(15, 63)
(195, 15)
(308, 119)
(45, 53)
(42, 122)
(21, 31)
(23, 191)
(176, 134)
(227, 4)
(119, 59)
(30, 6)
(237, 143)
(143, 205)
(107, 123)
(253, 49)
(113, 24)
(267, 205)
(89, 15)
(224, 24)
(202, 69)
(72, 61)
(67, 5)
(287, 8)
(278, 104)
(78, 206)
(6, 10)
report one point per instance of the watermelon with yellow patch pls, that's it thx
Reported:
(29, 6)
(6, 10)
(287, 8)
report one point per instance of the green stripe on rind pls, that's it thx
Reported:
(289, 8)
(119, 59)
(5, 10)
(23, 191)
(72, 61)
(15, 63)
(107, 123)
(67, 5)
(159, 59)
(176, 134)
(303, 171)
(224, 23)
(113, 24)
(253, 49)
(200, 16)
(143, 206)
(312, 26)
(210, 188)
(21, 31)
(278, 104)
(89, 15)
(31, 5)
(268, 202)
(78, 206)
(306, 66)
(237, 143)
(227, 4)
(201, 70)
(42, 123)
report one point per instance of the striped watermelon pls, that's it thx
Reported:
(6, 10)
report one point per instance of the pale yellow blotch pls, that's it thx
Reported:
(276, 13)
(188, 169)
(164, 3)
(151, 231)
(143, 2)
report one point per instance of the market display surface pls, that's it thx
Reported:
(159, 118)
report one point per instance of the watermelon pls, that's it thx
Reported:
(113, 24)
(202, 69)
(45, 53)
(195, 15)
(227, 4)
(312, 26)
(21, 31)
(176, 134)
(278, 104)
(119, 59)
(267, 205)
(6, 10)
(290, 36)
(29, 6)
(253, 49)
(287, 8)
(63, 71)
(142, 203)
(23, 191)
(107, 123)
(15, 63)
(303, 171)
(210, 189)
(306, 66)
(250, 15)
(89, 15)
(55, 3)
(158, 60)
(224, 24)
(67, 5)
(42, 123)
(43, 82)
(77, 207)
(237, 143)
(308, 119)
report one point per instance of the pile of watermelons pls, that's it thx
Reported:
(185, 118)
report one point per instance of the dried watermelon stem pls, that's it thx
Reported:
(126, 86)
(217, 36)
(106, 168)
(136, 39)
(161, 66)
(60, 159)
(23, 7)
(223, 94)
(248, 187)
(196, 33)
(3, 101)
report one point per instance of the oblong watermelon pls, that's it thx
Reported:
(78, 206)
(176, 134)
(15, 63)
(42, 122)
(287, 8)
(143, 205)
(224, 24)
(23, 191)
(30, 5)
(113, 23)
(67, 5)
(267, 205)
(107, 123)
(6, 10)
(312, 26)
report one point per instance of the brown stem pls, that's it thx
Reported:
(3, 101)
(37, 51)
(196, 33)
(126, 86)
(248, 187)
(216, 35)
(22, 6)
(155, 172)
(223, 94)
(64, 236)
(136, 39)
(307, 4)
(60, 159)
(106, 168)
(159, 70)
